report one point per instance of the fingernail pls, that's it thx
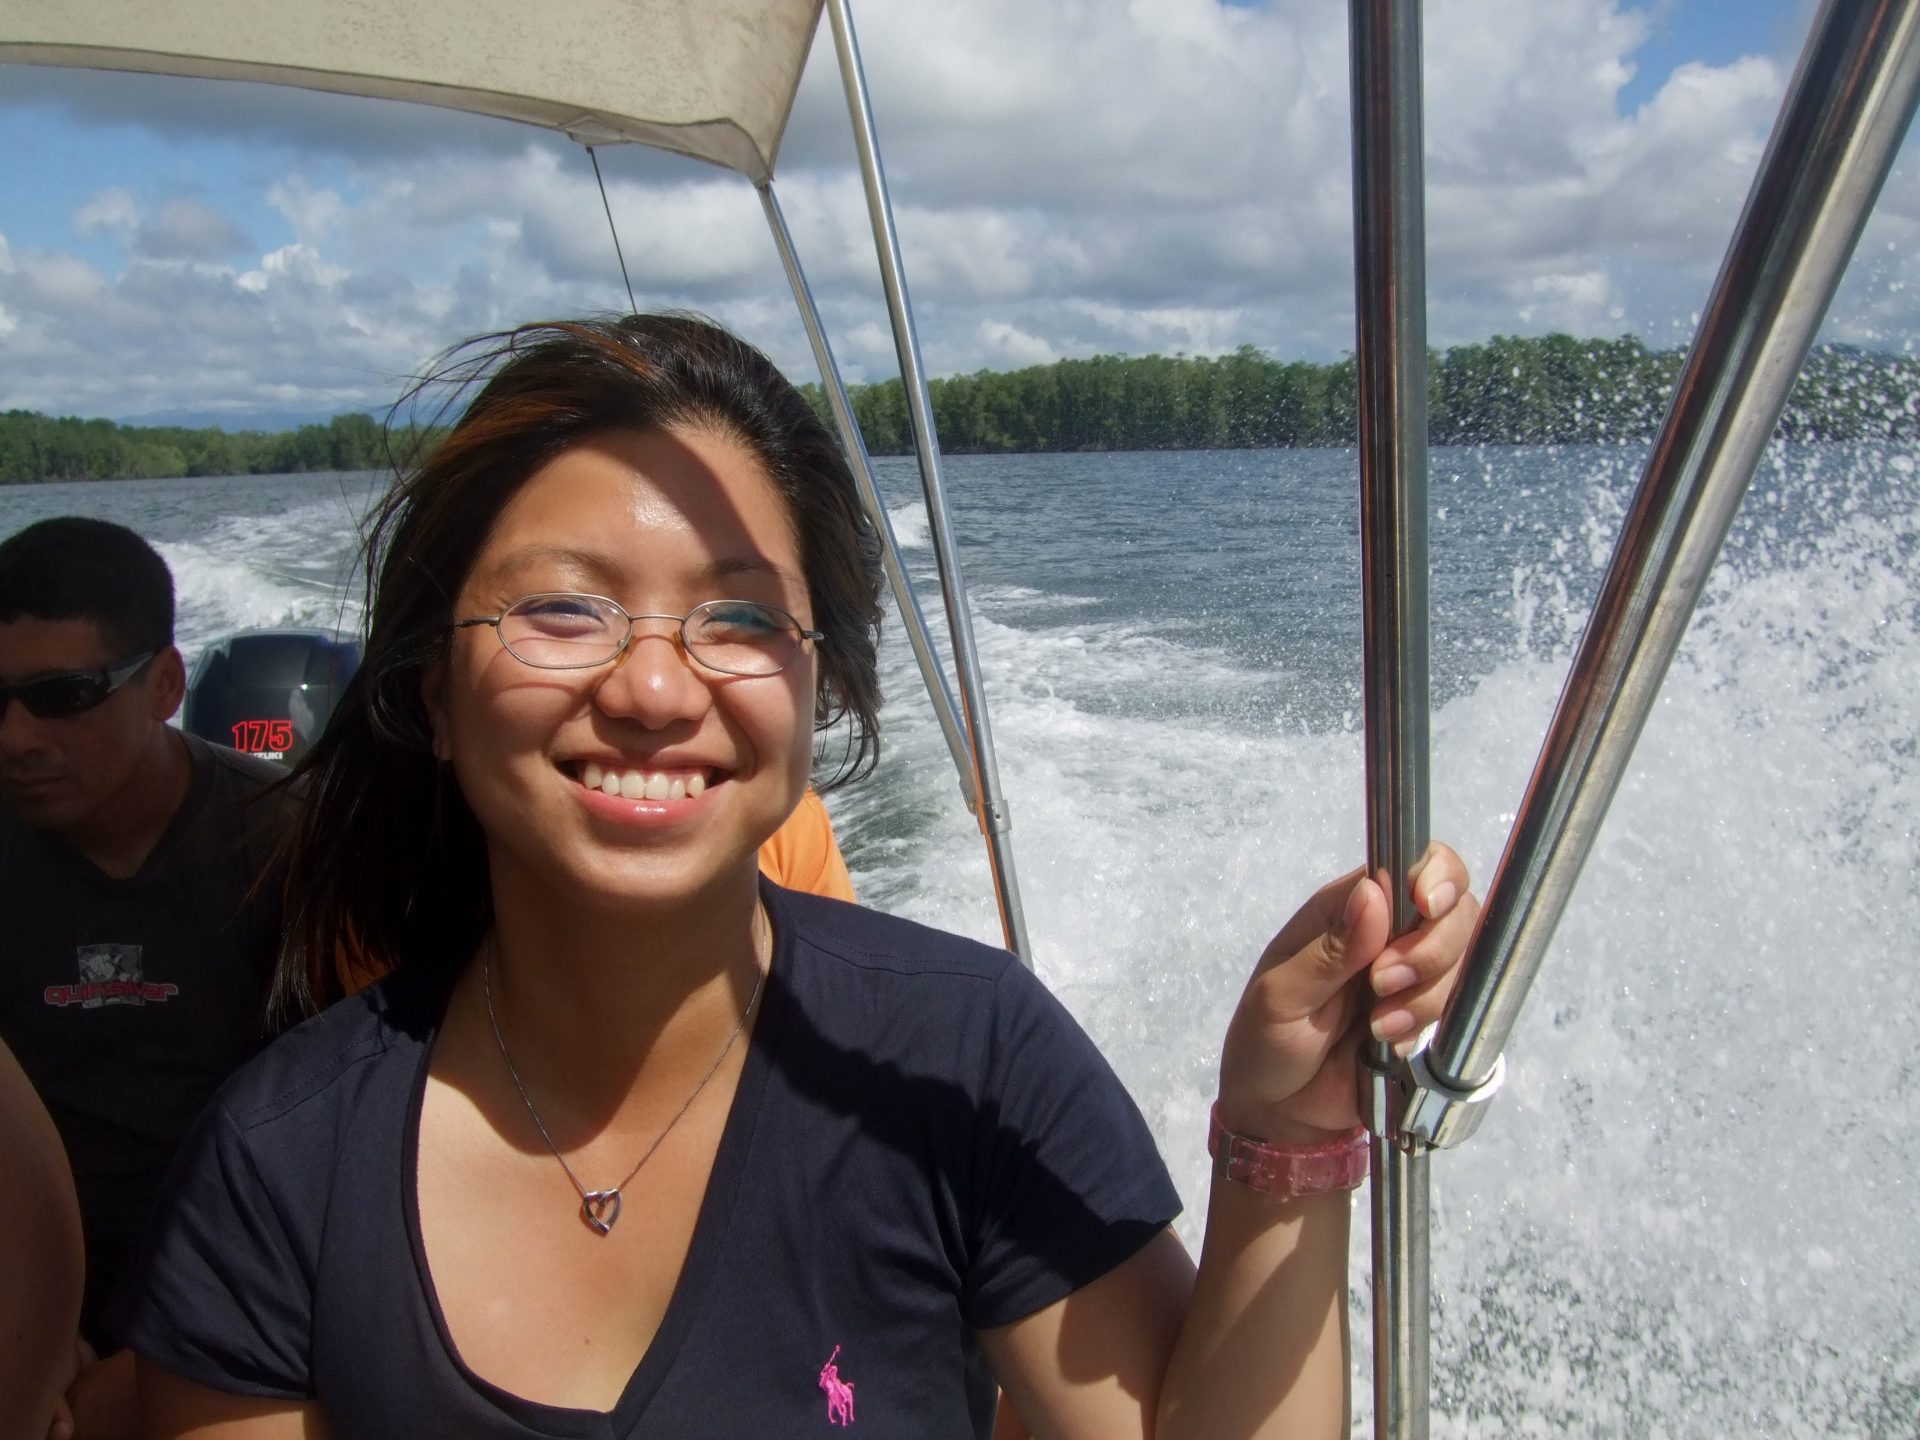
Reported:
(1393, 979)
(1356, 907)
(1393, 1024)
(1441, 898)
(1406, 1045)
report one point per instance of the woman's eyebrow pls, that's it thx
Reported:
(603, 569)
(552, 554)
(596, 567)
(727, 568)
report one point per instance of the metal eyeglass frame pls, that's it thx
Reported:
(800, 631)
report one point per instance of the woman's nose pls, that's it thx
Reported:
(654, 680)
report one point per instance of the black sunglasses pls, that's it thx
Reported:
(71, 692)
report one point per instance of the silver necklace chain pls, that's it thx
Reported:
(599, 1209)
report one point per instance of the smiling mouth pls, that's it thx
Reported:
(642, 784)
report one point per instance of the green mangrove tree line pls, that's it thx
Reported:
(38, 447)
(1553, 389)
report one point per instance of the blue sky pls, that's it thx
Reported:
(1714, 32)
(1167, 175)
(56, 168)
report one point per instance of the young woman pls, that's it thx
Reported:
(633, 1143)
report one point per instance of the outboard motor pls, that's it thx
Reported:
(269, 692)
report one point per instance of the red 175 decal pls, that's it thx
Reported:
(258, 737)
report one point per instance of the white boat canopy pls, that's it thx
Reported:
(713, 79)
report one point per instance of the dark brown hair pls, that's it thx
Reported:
(77, 568)
(388, 864)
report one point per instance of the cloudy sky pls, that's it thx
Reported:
(1071, 177)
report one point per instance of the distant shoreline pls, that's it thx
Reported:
(1553, 389)
(37, 449)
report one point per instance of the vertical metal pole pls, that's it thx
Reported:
(1391, 366)
(924, 654)
(995, 822)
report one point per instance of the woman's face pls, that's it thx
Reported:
(660, 521)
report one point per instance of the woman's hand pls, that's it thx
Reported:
(1330, 980)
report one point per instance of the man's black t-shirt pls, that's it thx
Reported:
(128, 1001)
(923, 1144)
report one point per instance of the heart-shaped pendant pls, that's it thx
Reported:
(600, 1208)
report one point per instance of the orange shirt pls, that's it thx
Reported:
(803, 855)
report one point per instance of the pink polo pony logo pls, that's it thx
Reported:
(839, 1392)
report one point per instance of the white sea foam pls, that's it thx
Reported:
(219, 595)
(909, 522)
(250, 572)
(1692, 1211)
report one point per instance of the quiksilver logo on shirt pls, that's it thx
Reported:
(109, 975)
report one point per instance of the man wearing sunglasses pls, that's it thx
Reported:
(139, 932)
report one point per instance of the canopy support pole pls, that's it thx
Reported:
(996, 823)
(911, 616)
(1837, 136)
(1391, 368)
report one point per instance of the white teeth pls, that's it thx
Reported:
(639, 785)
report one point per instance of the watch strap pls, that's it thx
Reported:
(1287, 1170)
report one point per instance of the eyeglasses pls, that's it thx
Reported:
(71, 692)
(576, 632)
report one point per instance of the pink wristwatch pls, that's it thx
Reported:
(1287, 1170)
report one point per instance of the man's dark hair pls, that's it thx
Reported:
(75, 568)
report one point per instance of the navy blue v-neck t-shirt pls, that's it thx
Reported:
(923, 1145)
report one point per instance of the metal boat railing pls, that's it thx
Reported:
(1390, 366)
(964, 726)
(1848, 107)
(932, 672)
(990, 807)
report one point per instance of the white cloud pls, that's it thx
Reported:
(182, 229)
(1070, 178)
(312, 212)
(1014, 348)
(1579, 303)
(59, 279)
(301, 263)
(110, 209)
